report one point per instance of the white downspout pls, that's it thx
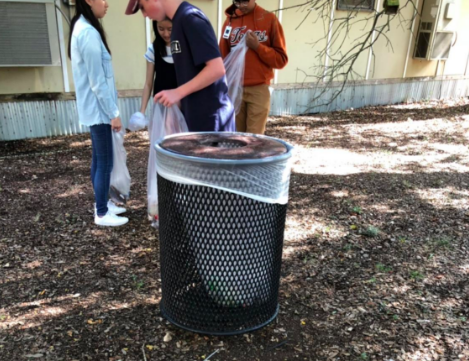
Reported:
(410, 40)
(63, 53)
(220, 18)
(370, 54)
(280, 15)
(329, 39)
(467, 66)
(148, 31)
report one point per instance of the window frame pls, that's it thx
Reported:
(343, 7)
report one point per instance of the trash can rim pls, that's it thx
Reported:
(270, 159)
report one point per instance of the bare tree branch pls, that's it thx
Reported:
(340, 54)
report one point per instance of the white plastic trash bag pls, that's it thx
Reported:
(120, 177)
(165, 121)
(234, 65)
(137, 122)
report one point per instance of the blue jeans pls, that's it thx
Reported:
(101, 165)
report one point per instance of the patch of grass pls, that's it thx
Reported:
(416, 275)
(383, 268)
(357, 210)
(402, 240)
(371, 231)
(348, 247)
(387, 151)
(444, 242)
(309, 260)
(364, 356)
(372, 280)
(138, 284)
(383, 307)
(395, 317)
(407, 184)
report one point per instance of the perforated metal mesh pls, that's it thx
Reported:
(220, 258)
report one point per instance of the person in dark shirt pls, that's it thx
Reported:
(200, 73)
(161, 74)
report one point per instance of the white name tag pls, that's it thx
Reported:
(227, 32)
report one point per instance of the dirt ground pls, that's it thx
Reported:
(375, 263)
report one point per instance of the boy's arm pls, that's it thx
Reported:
(205, 51)
(224, 43)
(213, 70)
(275, 56)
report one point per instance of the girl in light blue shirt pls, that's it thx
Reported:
(96, 100)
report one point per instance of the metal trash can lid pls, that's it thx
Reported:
(250, 165)
(226, 146)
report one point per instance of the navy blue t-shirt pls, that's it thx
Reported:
(193, 43)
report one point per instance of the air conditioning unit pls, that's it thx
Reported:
(437, 29)
(28, 33)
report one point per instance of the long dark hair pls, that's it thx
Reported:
(159, 45)
(82, 8)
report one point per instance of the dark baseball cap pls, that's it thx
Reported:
(132, 7)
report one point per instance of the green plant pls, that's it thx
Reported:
(357, 210)
(383, 268)
(371, 231)
(348, 247)
(395, 317)
(444, 242)
(383, 307)
(416, 275)
(364, 356)
(407, 184)
(308, 260)
(138, 284)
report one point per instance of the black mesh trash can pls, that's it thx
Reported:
(222, 206)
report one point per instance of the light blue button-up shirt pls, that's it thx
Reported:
(93, 76)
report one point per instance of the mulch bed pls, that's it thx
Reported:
(376, 255)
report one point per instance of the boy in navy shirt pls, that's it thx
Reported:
(202, 88)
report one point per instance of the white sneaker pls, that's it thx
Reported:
(113, 208)
(110, 220)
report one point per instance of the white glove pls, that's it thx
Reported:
(137, 122)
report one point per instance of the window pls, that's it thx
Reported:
(357, 5)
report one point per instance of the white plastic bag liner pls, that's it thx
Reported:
(165, 121)
(265, 179)
(234, 66)
(137, 122)
(120, 177)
